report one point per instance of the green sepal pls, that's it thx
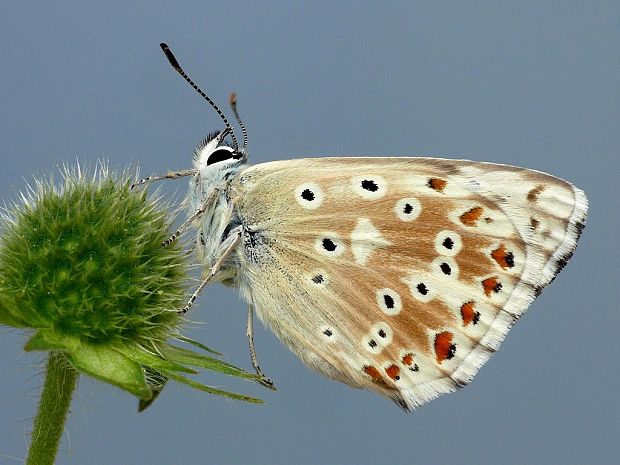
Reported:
(144, 358)
(187, 357)
(106, 364)
(47, 340)
(211, 390)
(8, 318)
(200, 345)
(19, 316)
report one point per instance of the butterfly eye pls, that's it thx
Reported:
(221, 154)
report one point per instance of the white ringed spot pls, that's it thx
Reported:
(382, 332)
(445, 267)
(389, 301)
(371, 344)
(329, 244)
(328, 333)
(378, 338)
(309, 195)
(370, 187)
(448, 243)
(318, 278)
(408, 209)
(421, 288)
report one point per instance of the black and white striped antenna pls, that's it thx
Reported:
(175, 64)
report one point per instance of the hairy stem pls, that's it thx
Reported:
(60, 381)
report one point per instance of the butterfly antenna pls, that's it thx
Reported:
(233, 105)
(175, 64)
(222, 135)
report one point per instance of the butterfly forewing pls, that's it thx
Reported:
(400, 275)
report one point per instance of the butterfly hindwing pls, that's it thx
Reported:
(400, 275)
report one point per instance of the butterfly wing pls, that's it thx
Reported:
(400, 275)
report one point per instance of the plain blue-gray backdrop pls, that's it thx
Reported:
(523, 82)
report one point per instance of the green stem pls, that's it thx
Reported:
(60, 381)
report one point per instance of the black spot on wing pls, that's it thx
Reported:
(329, 245)
(307, 194)
(370, 185)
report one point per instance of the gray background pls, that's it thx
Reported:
(525, 82)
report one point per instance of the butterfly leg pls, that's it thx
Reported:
(168, 175)
(249, 333)
(215, 268)
(189, 221)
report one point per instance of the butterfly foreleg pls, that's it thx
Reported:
(168, 175)
(249, 333)
(207, 202)
(234, 238)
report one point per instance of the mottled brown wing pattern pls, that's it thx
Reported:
(400, 275)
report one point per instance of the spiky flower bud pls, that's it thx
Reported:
(82, 265)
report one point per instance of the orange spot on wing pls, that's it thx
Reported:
(444, 348)
(372, 372)
(437, 184)
(408, 359)
(503, 258)
(470, 217)
(393, 371)
(469, 313)
(491, 285)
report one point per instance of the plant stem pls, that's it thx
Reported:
(60, 381)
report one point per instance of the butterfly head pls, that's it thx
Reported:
(219, 150)
(217, 153)
(216, 160)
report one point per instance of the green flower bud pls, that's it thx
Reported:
(83, 266)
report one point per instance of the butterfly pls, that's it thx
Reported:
(399, 275)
